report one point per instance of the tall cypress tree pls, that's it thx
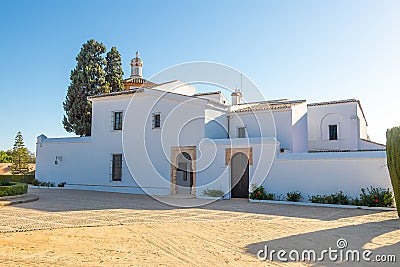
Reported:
(20, 156)
(114, 71)
(87, 79)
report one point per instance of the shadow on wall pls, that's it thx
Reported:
(375, 236)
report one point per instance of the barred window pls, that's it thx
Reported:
(241, 132)
(116, 172)
(156, 120)
(333, 132)
(117, 118)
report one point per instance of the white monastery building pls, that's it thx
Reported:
(167, 139)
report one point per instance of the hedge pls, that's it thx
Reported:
(13, 189)
(18, 178)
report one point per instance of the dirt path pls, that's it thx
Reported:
(228, 233)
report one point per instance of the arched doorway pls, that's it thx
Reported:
(239, 176)
(184, 174)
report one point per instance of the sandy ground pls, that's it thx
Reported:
(227, 233)
(5, 168)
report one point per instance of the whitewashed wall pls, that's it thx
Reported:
(216, 123)
(326, 173)
(83, 165)
(213, 173)
(265, 123)
(344, 115)
(86, 162)
(300, 128)
(363, 124)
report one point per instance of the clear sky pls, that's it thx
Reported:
(314, 50)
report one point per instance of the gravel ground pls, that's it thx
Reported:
(72, 227)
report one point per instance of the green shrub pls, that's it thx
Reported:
(371, 197)
(13, 189)
(62, 184)
(259, 193)
(393, 162)
(46, 184)
(294, 196)
(376, 197)
(337, 198)
(207, 192)
(18, 178)
(35, 182)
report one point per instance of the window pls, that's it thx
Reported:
(333, 132)
(116, 172)
(117, 125)
(241, 132)
(156, 120)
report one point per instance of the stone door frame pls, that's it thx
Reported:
(175, 152)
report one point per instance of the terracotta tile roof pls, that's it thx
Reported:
(208, 93)
(341, 102)
(346, 150)
(372, 142)
(127, 92)
(138, 80)
(333, 102)
(268, 105)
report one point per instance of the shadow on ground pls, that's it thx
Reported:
(374, 236)
(61, 200)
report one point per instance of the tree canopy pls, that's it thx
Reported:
(92, 75)
(20, 156)
(5, 156)
(87, 79)
(113, 70)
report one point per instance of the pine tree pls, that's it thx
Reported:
(20, 156)
(87, 79)
(114, 71)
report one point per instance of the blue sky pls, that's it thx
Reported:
(314, 50)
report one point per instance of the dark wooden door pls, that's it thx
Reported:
(239, 176)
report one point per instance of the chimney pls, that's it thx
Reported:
(236, 97)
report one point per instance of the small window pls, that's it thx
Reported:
(241, 132)
(116, 172)
(117, 121)
(333, 132)
(156, 120)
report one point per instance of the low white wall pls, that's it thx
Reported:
(326, 173)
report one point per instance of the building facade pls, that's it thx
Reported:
(164, 139)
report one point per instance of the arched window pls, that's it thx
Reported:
(332, 127)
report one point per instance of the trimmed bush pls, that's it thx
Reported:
(212, 193)
(337, 198)
(294, 196)
(371, 197)
(18, 178)
(259, 193)
(47, 184)
(376, 197)
(393, 161)
(13, 189)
